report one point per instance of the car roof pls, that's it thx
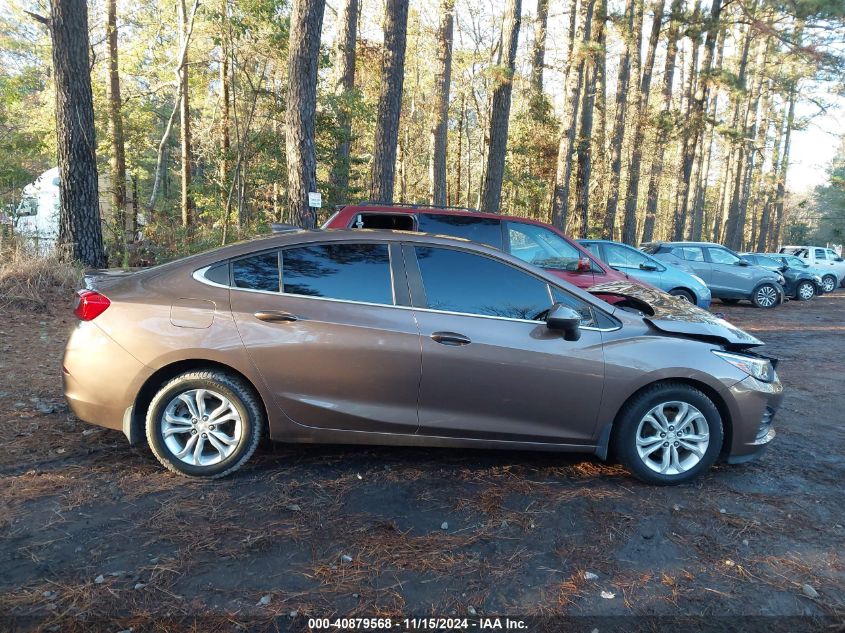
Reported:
(591, 241)
(413, 209)
(682, 243)
(292, 238)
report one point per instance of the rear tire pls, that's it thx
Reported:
(806, 290)
(765, 296)
(691, 437)
(205, 423)
(829, 283)
(684, 295)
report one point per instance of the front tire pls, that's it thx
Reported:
(806, 290)
(765, 296)
(684, 295)
(668, 434)
(204, 423)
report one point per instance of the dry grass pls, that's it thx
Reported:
(31, 278)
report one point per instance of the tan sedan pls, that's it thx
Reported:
(397, 338)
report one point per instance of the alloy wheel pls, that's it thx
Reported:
(672, 437)
(201, 427)
(829, 284)
(766, 296)
(806, 291)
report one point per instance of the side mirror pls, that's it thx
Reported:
(566, 320)
(742, 262)
(838, 259)
(584, 265)
(648, 266)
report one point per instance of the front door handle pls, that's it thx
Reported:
(275, 316)
(450, 338)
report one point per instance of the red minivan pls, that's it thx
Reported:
(530, 240)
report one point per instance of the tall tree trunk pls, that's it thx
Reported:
(491, 193)
(735, 227)
(187, 201)
(390, 100)
(161, 178)
(770, 184)
(585, 145)
(632, 34)
(664, 124)
(456, 198)
(599, 138)
(225, 116)
(80, 231)
(780, 194)
(639, 114)
(440, 118)
(306, 23)
(757, 152)
(344, 64)
(695, 120)
(700, 197)
(118, 155)
(569, 120)
(538, 52)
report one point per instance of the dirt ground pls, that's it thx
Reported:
(96, 536)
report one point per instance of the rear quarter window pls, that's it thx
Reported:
(258, 272)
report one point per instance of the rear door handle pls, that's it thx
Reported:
(450, 338)
(275, 316)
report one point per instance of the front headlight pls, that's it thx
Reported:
(781, 280)
(817, 279)
(759, 368)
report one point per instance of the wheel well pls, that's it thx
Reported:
(161, 376)
(707, 390)
(687, 290)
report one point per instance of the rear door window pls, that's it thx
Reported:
(484, 230)
(689, 253)
(820, 253)
(258, 272)
(456, 281)
(349, 272)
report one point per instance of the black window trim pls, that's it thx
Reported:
(419, 300)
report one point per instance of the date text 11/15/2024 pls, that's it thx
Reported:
(417, 624)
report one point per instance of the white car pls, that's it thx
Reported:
(820, 257)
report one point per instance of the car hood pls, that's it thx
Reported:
(668, 314)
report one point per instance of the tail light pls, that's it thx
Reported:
(90, 304)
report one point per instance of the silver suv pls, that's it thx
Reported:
(729, 277)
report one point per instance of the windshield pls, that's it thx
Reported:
(762, 260)
(540, 246)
